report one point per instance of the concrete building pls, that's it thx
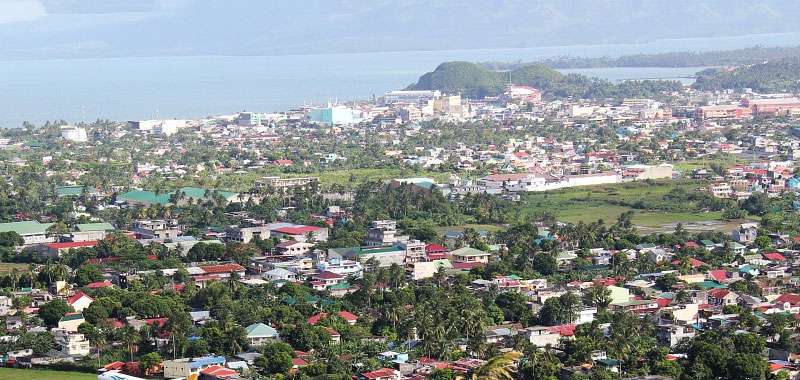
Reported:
(32, 231)
(725, 111)
(410, 97)
(156, 229)
(333, 115)
(158, 127)
(249, 119)
(181, 368)
(426, 269)
(385, 256)
(74, 134)
(71, 343)
(246, 234)
(342, 267)
(383, 232)
(644, 172)
(284, 185)
(470, 255)
(525, 94)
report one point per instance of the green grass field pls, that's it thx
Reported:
(8, 267)
(588, 204)
(348, 178)
(37, 374)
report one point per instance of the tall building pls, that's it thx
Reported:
(383, 233)
(333, 115)
(249, 119)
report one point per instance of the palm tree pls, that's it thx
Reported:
(502, 367)
(130, 337)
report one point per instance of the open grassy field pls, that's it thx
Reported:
(607, 202)
(8, 267)
(37, 374)
(349, 178)
(698, 163)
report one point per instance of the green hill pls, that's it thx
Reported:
(475, 81)
(469, 79)
(774, 76)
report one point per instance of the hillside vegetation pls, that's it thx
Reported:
(774, 76)
(736, 57)
(475, 81)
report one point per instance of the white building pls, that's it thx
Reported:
(71, 343)
(159, 127)
(410, 97)
(333, 115)
(74, 134)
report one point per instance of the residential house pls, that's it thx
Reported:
(180, 368)
(381, 374)
(259, 334)
(70, 322)
(80, 301)
(469, 257)
(280, 274)
(673, 334)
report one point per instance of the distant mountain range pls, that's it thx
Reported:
(119, 28)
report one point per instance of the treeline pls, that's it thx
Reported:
(774, 76)
(746, 56)
(475, 81)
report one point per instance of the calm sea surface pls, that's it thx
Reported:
(183, 87)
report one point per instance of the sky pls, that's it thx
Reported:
(33, 29)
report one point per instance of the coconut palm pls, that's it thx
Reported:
(130, 337)
(501, 367)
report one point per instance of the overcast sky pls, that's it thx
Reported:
(113, 28)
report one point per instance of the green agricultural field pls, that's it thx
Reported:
(37, 374)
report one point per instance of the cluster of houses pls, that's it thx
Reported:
(742, 181)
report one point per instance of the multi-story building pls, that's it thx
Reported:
(71, 343)
(342, 267)
(415, 250)
(720, 190)
(246, 234)
(157, 229)
(383, 232)
(284, 185)
(725, 111)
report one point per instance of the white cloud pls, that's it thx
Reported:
(20, 10)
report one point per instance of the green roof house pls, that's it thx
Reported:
(470, 255)
(32, 231)
(259, 334)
